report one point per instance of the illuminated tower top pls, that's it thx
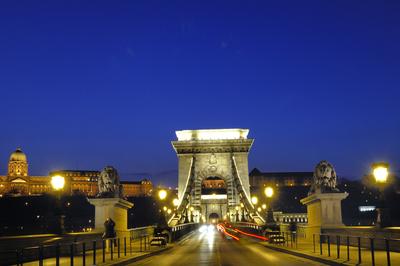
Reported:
(18, 164)
(212, 134)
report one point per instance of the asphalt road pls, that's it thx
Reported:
(212, 248)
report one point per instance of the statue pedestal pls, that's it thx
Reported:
(324, 210)
(114, 208)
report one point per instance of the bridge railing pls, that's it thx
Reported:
(146, 231)
(91, 250)
(348, 248)
(248, 225)
(180, 230)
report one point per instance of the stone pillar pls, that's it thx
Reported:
(324, 210)
(114, 208)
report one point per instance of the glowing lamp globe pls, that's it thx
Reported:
(254, 200)
(162, 194)
(269, 192)
(380, 172)
(57, 182)
(175, 202)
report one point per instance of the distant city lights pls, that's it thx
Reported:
(366, 208)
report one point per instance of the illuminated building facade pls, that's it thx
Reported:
(19, 182)
(279, 179)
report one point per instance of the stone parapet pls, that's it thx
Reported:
(114, 208)
(324, 210)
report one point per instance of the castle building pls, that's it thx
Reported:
(260, 179)
(19, 182)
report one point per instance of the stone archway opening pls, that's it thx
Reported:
(214, 198)
(213, 218)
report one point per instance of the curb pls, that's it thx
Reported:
(141, 257)
(305, 256)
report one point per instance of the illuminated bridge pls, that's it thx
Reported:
(218, 156)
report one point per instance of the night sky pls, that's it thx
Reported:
(84, 84)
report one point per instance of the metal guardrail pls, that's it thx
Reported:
(248, 225)
(349, 241)
(141, 231)
(324, 244)
(180, 230)
(92, 251)
(85, 251)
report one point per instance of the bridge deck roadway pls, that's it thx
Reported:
(212, 248)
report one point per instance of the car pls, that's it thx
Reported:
(276, 239)
(158, 241)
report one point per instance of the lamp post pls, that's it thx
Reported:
(254, 200)
(175, 203)
(380, 172)
(186, 215)
(58, 183)
(243, 218)
(269, 192)
(191, 214)
(162, 195)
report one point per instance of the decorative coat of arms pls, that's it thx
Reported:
(212, 161)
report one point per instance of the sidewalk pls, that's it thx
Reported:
(305, 249)
(113, 259)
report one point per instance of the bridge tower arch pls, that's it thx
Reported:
(221, 153)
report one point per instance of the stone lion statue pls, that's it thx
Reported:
(108, 183)
(325, 179)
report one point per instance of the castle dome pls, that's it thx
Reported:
(18, 156)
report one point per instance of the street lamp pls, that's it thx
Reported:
(269, 192)
(58, 183)
(380, 172)
(191, 214)
(175, 202)
(243, 216)
(254, 200)
(162, 194)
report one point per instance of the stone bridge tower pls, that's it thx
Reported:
(207, 155)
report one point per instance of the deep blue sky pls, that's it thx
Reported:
(90, 83)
